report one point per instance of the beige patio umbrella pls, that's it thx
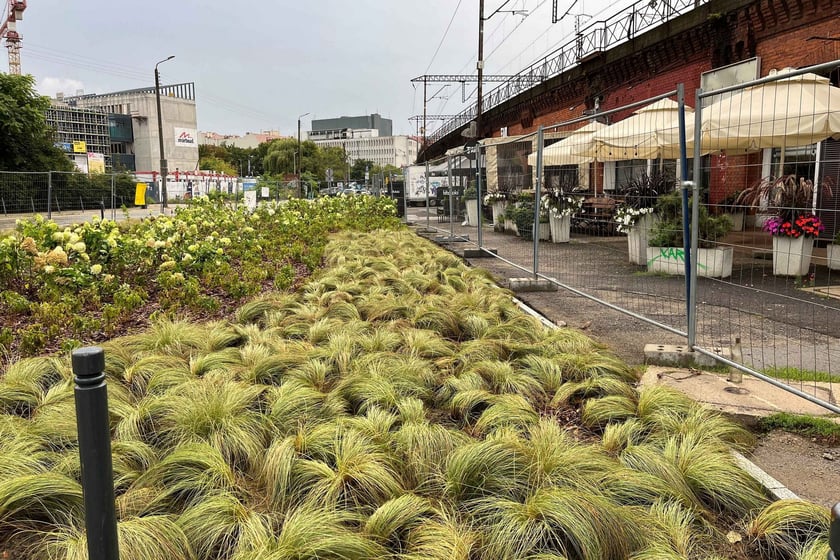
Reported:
(640, 136)
(563, 152)
(790, 112)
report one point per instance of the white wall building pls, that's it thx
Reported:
(367, 137)
(398, 151)
(180, 131)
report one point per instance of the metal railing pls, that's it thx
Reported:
(596, 37)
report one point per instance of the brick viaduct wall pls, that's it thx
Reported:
(781, 32)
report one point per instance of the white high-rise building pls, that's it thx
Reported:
(366, 137)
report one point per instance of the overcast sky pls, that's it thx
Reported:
(258, 64)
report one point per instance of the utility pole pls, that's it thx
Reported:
(163, 164)
(479, 66)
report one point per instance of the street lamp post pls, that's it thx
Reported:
(300, 156)
(163, 169)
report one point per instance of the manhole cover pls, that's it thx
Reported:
(736, 390)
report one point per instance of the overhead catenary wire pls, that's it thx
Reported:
(445, 33)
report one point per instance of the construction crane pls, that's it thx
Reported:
(8, 31)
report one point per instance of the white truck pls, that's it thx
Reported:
(415, 184)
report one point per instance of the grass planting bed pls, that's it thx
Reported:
(398, 405)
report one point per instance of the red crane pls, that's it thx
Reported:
(8, 31)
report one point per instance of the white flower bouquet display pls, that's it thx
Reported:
(627, 216)
(558, 203)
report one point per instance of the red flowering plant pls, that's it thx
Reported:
(807, 225)
(790, 198)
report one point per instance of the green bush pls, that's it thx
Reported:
(668, 232)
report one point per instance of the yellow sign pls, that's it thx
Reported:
(140, 194)
(79, 147)
(96, 163)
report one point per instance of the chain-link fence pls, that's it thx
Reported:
(604, 206)
(59, 192)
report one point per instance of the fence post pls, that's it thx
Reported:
(92, 425)
(113, 197)
(537, 190)
(451, 199)
(427, 196)
(49, 195)
(478, 186)
(695, 215)
(688, 225)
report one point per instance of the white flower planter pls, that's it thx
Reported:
(637, 239)
(545, 231)
(711, 263)
(832, 253)
(472, 212)
(737, 220)
(560, 228)
(499, 212)
(510, 225)
(792, 255)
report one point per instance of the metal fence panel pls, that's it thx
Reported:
(769, 166)
(786, 321)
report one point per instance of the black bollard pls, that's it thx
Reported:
(92, 424)
(834, 533)
(102, 209)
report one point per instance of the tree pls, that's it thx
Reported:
(280, 156)
(212, 163)
(26, 142)
(357, 172)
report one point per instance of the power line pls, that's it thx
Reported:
(442, 39)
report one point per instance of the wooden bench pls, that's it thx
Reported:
(596, 216)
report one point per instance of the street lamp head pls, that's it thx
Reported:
(170, 57)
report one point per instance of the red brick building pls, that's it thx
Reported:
(780, 33)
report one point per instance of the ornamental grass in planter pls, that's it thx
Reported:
(666, 252)
(792, 224)
(400, 406)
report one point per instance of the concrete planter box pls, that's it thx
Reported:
(711, 263)
(545, 231)
(637, 239)
(832, 253)
(472, 212)
(737, 220)
(499, 212)
(560, 228)
(792, 255)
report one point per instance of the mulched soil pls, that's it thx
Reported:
(136, 321)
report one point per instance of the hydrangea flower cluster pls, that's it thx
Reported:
(627, 216)
(808, 225)
(494, 197)
(559, 204)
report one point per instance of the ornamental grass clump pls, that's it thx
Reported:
(450, 426)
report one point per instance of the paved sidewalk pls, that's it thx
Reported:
(778, 323)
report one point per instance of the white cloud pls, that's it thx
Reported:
(50, 86)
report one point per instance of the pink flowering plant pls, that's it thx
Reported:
(806, 225)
